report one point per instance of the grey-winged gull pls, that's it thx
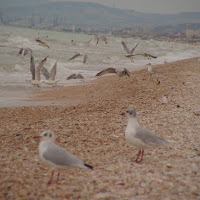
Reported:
(109, 70)
(138, 136)
(56, 156)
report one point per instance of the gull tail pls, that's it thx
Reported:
(88, 166)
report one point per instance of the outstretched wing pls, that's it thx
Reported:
(75, 56)
(41, 43)
(85, 57)
(133, 49)
(45, 72)
(107, 71)
(32, 67)
(38, 68)
(53, 72)
(71, 76)
(20, 51)
(125, 47)
(26, 50)
(149, 55)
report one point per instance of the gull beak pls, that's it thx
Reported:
(37, 137)
(123, 114)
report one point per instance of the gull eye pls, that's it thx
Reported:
(45, 134)
(50, 135)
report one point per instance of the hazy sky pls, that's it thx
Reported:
(155, 6)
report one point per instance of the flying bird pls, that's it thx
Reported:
(51, 76)
(24, 51)
(124, 72)
(149, 56)
(36, 71)
(97, 38)
(75, 76)
(128, 51)
(41, 43)
(138, 136)
(56, 156)
(84, 57)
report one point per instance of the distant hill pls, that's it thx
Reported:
(88, 14)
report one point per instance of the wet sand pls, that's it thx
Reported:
(87, 122)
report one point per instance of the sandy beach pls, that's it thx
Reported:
(88, 123)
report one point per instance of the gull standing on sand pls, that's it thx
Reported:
(140, 137)
(36, 71)
(56, 156)
(124, 72)
(51, 77)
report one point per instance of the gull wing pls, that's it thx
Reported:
(53, 72)
(107, 71)
(20, 51)
(126, 49)
(71, 76)
(38, 68)
(41, 43)
(104, 38)
(149, 55)
(76, 55)
(133, 49)
(85, 57)
(45, 72)
(26, 50)
(32, 67)
(59, 156)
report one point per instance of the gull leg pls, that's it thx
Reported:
(58, 175)
(141, 152)
(49, 182)
(138, 155)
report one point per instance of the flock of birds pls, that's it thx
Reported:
(57, 157)
(50, 77)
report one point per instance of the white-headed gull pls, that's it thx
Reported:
(56, 156)
(138, 136)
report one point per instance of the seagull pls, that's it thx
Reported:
(56, 156)
(140, 137)
(41, 43)
(75, 76)
(97, 38)
(36, 71)
(84, 57)
(24, 51)
(149, 56)
(51, 78)
(125, 72)
(128, 51)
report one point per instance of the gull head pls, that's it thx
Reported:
(47, 136)
(130, 113)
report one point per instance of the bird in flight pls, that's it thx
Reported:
(128, 51)
(36, 71)
(50, 77)
(124, 72)
(84, 57)
(41, 43)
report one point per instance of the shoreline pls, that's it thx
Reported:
(30, 96)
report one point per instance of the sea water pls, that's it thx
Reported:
(15, 68)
